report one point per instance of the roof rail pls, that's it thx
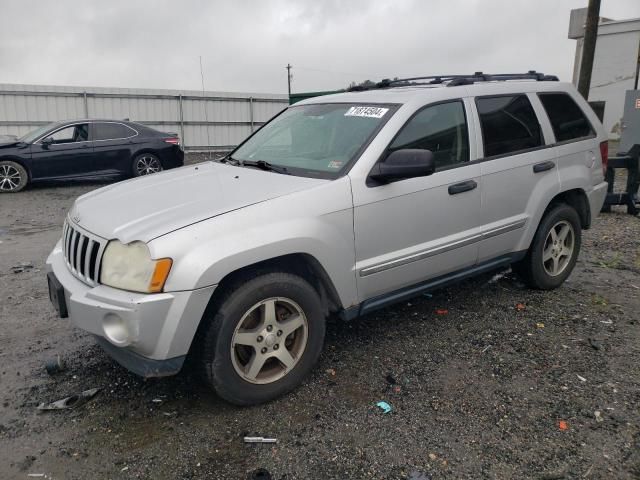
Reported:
(455, 80)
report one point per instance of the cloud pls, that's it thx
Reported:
(245, 44)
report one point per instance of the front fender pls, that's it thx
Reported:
(317, 222)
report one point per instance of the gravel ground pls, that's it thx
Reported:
(487, 379)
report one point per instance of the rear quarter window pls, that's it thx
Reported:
(566, 117)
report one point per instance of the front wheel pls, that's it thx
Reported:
(13, 177)
(554, 250)
(146, 164)
(264, 338)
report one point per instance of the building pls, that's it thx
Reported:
(615, 66)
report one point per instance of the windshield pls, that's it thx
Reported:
(316, 140)
(34, 134)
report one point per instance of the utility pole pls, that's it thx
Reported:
(288, 67)
(589, 48)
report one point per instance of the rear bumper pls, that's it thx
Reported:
(150, 334)
(596, 198)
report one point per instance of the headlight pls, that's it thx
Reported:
(130, 267)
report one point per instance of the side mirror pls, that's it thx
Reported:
(47, 141)
(402, 164)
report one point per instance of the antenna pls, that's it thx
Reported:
(204, 107)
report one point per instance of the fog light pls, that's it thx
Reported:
(116, 330)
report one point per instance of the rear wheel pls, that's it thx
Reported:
(146, 164)
(13, 177)
(554, 250)
(264, 338)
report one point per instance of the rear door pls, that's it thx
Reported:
(65, 152)
(518, 171)
(113, 144)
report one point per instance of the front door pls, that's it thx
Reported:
(65, 152)
(416, 229)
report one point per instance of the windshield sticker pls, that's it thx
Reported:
(335, 164)
(371, 112)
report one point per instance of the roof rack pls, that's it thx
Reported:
(456, 80)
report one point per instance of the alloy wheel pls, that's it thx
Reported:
(147, 165)
(9, 178)
(269, 340)
(558, 248)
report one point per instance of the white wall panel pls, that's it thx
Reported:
(220, 119)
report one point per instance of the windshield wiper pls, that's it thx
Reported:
(265, 166)
(229, 159)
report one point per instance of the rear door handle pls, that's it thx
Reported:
(462, 187)
(543, 167)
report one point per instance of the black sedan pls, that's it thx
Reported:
(86, 148)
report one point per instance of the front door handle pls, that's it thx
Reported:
(543, 167)
(462, 187)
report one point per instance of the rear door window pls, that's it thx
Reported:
(111, 131)
(567, 119)
(509, 124)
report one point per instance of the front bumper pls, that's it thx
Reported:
(149, 334)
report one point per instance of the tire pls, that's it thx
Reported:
(146, 164)
(13, 177)
(547, 265)
(229, 355)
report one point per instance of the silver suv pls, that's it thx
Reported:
(339, 205)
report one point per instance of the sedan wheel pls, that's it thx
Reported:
(13, 177)
(146, 164)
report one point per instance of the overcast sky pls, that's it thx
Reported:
(245, 45)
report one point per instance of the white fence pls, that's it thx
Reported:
(209, 121)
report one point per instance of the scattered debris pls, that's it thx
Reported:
(384, 406)
(581, 378)
(486, 348)
(331, 372)
(540, 325)
(390, 379)
(495, 278)
(157, 400)
(35, 474)
(428, 295)
(260, 440)
(22, 267)
(606, 322)
(432, 456)
(260, 474)
(415, 475)
(70, 402)
(563, 425)
(124, 469)
(595, 344)
(520, 306)
(54, 365)
(441, 311)
(396, 389)
(598, 416)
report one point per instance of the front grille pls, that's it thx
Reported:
(82, 253)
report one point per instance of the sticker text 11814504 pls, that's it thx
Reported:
(371, 112)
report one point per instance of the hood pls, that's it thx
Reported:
(8, 141)
(147, 207)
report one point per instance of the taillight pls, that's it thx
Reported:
(172, 140)
(604, 153)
